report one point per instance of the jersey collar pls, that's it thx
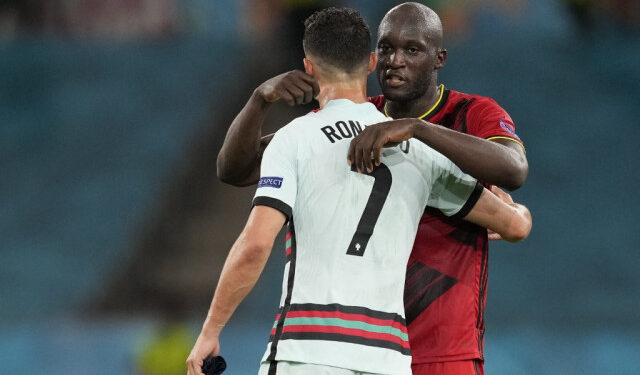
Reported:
(341, 102)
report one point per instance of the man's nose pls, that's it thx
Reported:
(396, 59)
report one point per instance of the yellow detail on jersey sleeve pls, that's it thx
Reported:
(510, 139)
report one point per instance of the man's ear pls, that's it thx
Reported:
(441, 57)
(308, 66)
(373, 61)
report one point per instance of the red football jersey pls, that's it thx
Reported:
(446, 281)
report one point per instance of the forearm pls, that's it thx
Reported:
(521, 222)
(239, 275)
(512, 221)
(240, 155)
(487, 161)
(513, 224)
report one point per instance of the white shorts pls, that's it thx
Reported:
(297, 368)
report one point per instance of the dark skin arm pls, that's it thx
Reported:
(240, 156)
(499, 162)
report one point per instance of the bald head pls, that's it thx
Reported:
(410, 53)
(414, 17)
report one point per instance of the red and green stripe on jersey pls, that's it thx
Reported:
(352, 324)
(288, 242)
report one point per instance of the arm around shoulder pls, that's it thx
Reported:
(241, 154)
(499, 162)
(239, 158)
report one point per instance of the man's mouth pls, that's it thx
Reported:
(394, 80)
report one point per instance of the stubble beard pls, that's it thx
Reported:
(413, 91)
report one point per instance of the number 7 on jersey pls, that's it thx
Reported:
(371, 213)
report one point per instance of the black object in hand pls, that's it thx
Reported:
(214, 365)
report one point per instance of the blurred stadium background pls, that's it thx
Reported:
(114, 227)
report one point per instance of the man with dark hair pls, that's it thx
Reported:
(342, 310)
(329, 31)
(447, 273)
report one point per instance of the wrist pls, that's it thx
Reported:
(258, 98)
(417, 128)
(211, 327)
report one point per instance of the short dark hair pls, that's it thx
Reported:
(339, 37)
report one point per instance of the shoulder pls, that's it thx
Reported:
(290, 134)
(298, 125)
(476, 102)
(484, 117)
(376, 113)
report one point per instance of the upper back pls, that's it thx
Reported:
(350, 237)
(351, 223)
(332, 198)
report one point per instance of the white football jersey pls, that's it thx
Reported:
(350, 236)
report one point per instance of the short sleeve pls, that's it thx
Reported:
(486, 119)
(453, 192)
(278, 183)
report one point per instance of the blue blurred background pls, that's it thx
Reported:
(115, 227)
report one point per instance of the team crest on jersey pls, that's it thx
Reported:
(274, 182)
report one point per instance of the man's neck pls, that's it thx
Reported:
(354, 91)
(414, 108)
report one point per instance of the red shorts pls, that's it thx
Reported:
(468, 367)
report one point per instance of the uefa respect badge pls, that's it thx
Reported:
(273, 182)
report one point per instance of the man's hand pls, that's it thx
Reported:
(294, 87)
(241, 154)
(206, 345)
(374, 137)
(507, 199)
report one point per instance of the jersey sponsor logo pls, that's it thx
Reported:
(506, 127)
(274, 182)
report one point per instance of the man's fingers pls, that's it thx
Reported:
(361, 150)
(312, 82)
(308, 94)
(192, 368)
(358, 156)
(196, 366)
(307, 91)
(377, 152)
(351, 151)
(501, 194)
(197, 370)
(373, 148)
(296, 93)
(286, 96)
(293, 87)
(366, 152)
(493, 236)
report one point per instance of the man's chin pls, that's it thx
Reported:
(395, 95)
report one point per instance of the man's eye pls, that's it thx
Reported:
(383, 48)
(412, 50)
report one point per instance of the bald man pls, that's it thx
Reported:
(446, 280)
